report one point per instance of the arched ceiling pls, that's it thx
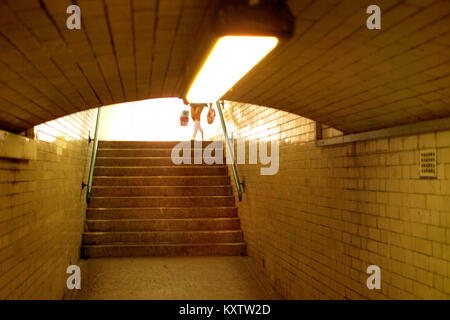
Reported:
(334, 70)
(338, 72)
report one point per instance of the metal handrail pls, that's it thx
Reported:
(93, 157)
(230, 151)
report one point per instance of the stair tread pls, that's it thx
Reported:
(155, 177)
(150, 149)
(166, 244)
(168, 219)
(168, 208)
(184, 166)
(157, 144)
(189, 197)
(154, 144)
(193, 186)
(146, 148)
(152, 190)
(148, 157)
(163, 231)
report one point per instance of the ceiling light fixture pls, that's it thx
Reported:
(230, 59)
(245, 33)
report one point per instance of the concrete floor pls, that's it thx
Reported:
(171, 278)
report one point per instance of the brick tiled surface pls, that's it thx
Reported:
(338, 72)
(42, 209)
(125, 51)
(330, 212)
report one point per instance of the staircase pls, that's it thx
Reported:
(144, 205)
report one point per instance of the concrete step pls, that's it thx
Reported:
(162, 224)
(162, 171)
(177, 201)
(162, 181)
(143, 152)
(150, 162)
(160, 237)
(162, 191)
(160, 213)
(210, 249)
(147, 144)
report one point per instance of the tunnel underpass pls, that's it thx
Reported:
(330, 178)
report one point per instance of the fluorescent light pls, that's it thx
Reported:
(230, 59)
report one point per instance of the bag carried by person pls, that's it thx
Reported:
(211, 114)
(184, 119)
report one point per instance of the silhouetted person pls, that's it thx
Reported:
(196, 111)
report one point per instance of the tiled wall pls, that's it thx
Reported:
(330, 212)
(42, 209)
